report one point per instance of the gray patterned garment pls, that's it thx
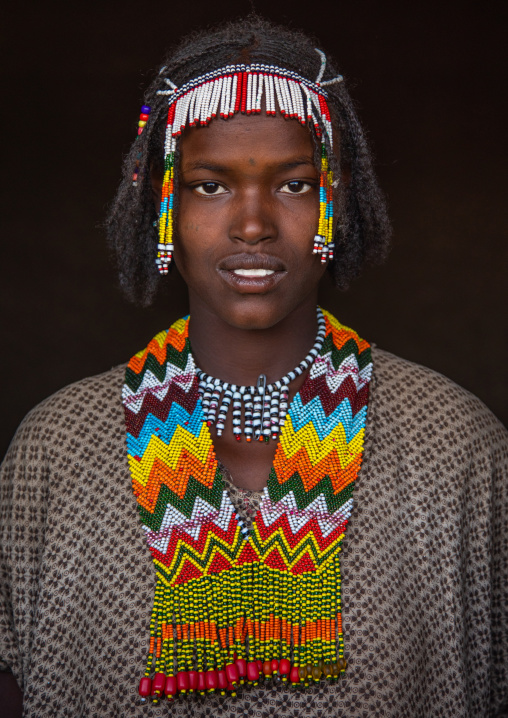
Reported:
(424, 563)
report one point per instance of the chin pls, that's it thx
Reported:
(252, 320)
(257, 314)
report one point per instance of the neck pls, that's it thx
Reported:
(239, 355)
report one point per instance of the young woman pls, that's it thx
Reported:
(232, 444)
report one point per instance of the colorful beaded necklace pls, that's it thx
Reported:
(233, 605)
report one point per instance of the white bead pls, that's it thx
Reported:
(233, 95)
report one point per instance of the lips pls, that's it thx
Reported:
(252, 273)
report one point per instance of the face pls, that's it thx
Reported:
(248, 212)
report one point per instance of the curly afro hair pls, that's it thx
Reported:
(363, 231)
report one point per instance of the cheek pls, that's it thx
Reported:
(188, 220)
(198, 219)
(192, 228)
(301, 222)
(189, 227)
(195, 242)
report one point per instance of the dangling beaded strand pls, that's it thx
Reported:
(323, 241)
(264, 406)
(143, 119)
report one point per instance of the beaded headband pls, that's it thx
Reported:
(240, 88)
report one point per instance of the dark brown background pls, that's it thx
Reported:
(429, 79)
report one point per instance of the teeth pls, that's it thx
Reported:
(253, 272)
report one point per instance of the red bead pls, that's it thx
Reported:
(294, 676)
(260, 666)
(232, 673)
(193, 680)
(158, 684)
(284, 666)
(252, 671)
(267, 668)
(241, 664)
(275, 665)
(145, 686)
(222, 680)
(143, 117)
(201, 681)
(211, 680)
(170, 688)
(182, 681)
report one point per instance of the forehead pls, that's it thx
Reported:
(261, 137)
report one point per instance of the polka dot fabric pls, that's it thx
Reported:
(424, 562)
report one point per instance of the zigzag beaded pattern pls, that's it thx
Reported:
(271, 592)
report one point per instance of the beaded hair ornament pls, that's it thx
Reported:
(240, 88)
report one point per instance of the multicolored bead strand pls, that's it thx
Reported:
(323, 241)
(232, 605)
(143, 119)
(165, 246)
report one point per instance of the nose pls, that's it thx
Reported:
(253, 218)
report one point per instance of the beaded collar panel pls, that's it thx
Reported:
(233, 605)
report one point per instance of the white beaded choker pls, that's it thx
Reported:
(264, 406)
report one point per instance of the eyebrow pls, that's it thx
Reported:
(202, 165)
(212, 167)
(296, 163)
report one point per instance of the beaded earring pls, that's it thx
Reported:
(143, 119)
(323, 241)
(241, 88)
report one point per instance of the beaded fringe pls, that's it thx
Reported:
(249, 623)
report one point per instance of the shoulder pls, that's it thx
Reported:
(421, 405)
(78, 408)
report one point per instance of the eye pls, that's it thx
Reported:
(209, 188)
(296, 187)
